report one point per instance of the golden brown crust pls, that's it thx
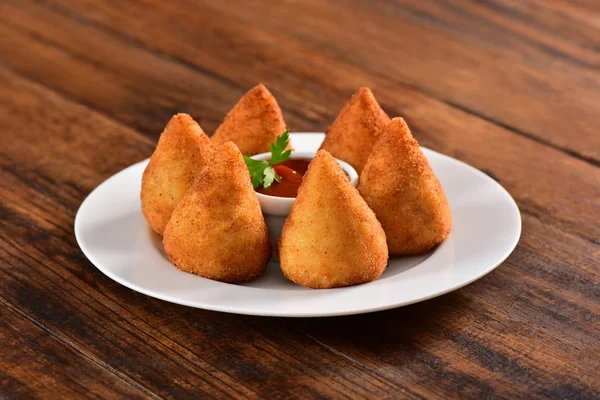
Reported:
(218, 231)
(400, 186)
(331, 237)
(355, 130)
(182, 152)
(253, 123)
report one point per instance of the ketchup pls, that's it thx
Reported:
(291, 173)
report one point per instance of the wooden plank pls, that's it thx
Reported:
(558, 38)
(113, 77)
(531, 98)
(34, 363)
(578, 7)
(556, 107)
(469, 342)
(550, 190)
(172, 350)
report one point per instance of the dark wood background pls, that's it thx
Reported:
(510, 87)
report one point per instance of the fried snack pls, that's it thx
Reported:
(355, 130)
(218, 231)
(182, 152)
(331, 238)
(253, 123)
(400, 186)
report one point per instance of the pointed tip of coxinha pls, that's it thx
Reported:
(398, 130)
(326, 178)
(400, 186)
(229, 154)
(261, 88)
(356, 128)
(331, 238)
(182, 128)
(326, 166)
(218, 231)
(253, 123)
(182, 152)
(365, 95)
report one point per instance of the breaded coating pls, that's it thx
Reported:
(218, 231)
(254, 122)
(400, 186)
(331, 238)
(182, 152)
(355, 130)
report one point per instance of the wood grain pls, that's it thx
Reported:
(36, 363)
(450, 70)
(86, 88)
(561, 42)
(478, 79)
(519, 163)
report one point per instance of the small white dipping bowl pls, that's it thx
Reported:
(276, 209)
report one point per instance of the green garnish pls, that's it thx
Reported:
(262, 171)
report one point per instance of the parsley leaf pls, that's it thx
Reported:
(270, 175)
(278, 152)
(257, 170)
(262, 171)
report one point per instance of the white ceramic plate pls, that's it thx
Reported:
(113, 234)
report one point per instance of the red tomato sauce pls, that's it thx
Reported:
(291, 173)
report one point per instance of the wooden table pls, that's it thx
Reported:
(510, 87)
